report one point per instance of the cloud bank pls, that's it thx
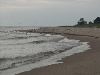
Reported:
(30, 3)
(47, 12)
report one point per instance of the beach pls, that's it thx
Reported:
(49, 37)
(86, 63)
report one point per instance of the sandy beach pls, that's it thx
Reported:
(86, 63)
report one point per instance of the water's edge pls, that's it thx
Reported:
(49, 61)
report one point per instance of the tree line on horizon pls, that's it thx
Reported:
(83, 23)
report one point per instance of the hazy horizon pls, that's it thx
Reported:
(47, 12)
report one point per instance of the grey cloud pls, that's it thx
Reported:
(19, 3)
(34, 2)
(55, 12)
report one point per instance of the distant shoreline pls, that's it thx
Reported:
(91, 32)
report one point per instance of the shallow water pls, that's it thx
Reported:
(19, 51)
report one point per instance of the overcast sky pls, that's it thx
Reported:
(47, 12)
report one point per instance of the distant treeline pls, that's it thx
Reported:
(84, 23)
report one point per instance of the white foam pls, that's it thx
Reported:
(12, 51)
(67, 40)
(48, 35)
(52, 60)
(22, 47)
(27, 38)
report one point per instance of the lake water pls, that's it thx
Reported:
(20, 52)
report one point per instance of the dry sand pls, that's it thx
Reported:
(87, 63)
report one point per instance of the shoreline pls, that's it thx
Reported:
(86, 63)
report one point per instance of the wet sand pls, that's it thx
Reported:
(86, 63)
